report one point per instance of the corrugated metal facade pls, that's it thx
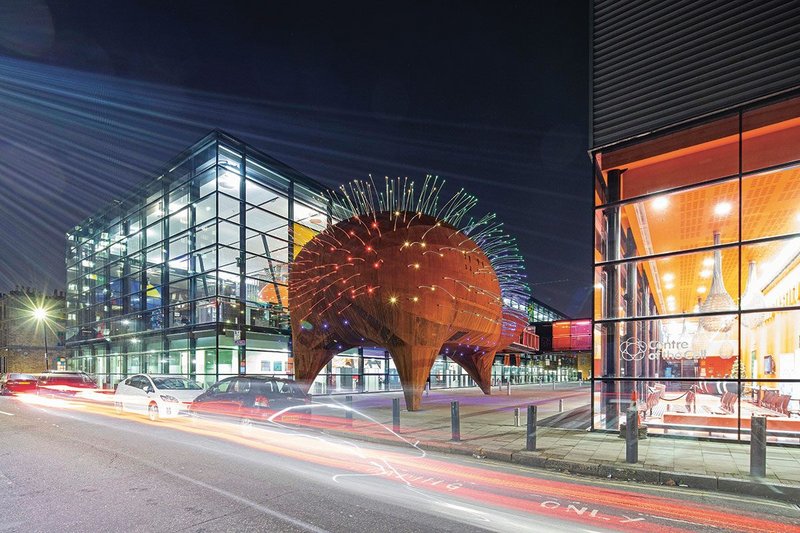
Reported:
(660, 62)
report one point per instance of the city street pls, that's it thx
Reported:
(74, 467)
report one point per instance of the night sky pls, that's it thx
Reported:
(96, 96)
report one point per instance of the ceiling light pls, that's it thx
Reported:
(669, 277)
(701, 290)
(708, 262)
(705, 274)
(722, 209)
(661, 203)
(669, 286)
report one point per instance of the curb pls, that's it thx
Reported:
(637, 473)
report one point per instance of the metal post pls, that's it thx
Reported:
(455, 421)
(530, 442)
(758, 446)
(561, 406)
(348, 414)
(46, 358)
(508, 388)
(632, 436)
(516, 417)
(554, 384)
(396, 415)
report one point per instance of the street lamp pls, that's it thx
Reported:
(40, 314)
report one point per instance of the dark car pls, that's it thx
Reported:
(64, 383)
(15, 383)
(249, 398)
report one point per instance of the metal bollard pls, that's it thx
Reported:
(632, 436)
(508, 388)
(530, 440)
(758, 446)
(396, 415)
(516, 417)
(561, 406)
(455, 421)
(554, 385)
(348, 414)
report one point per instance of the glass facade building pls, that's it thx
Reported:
(188, 275)
(697, 275)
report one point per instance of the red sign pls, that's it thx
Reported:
(572, 335)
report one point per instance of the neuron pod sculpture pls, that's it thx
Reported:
(403, 272)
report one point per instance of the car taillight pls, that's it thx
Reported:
(261, 401)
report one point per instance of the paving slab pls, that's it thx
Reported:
(488, 430)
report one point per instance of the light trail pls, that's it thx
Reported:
(610, 508)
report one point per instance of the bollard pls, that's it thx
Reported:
(516, 417)
(632, 436)
(508, 388)
(396, 415)
(554, 385)
(758, 446)
(455, 421)
(561, 406)
(348, 414)
(530, 440)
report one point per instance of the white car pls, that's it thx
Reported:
(156, 396)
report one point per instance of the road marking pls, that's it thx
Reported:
(7, 414)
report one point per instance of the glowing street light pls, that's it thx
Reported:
(40, 314)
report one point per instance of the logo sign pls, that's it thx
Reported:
(638, 350)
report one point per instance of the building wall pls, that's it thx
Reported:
(22, 337)
(655, 64)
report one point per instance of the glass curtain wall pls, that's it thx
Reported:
(189, 275)
(697, 274)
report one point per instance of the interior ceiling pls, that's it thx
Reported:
(771, 207)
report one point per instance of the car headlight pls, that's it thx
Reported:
(168, 398)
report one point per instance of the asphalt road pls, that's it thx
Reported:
(75, 467)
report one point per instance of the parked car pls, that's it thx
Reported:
(249, 398)
(156, 396)
(64, 383)
(15, 383)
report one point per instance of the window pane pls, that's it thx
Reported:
(205, 209)
(154, 212)
(179, 222)
(205, 235)
(264, 220)
(771, 204)
(205, 183)
(266, 245)
(675, 222)
(228, 233)
(261, 173)
(268, 199)
(770, 276)
(705, 281)
(154, 234)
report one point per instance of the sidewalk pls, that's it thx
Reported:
(488, 430)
